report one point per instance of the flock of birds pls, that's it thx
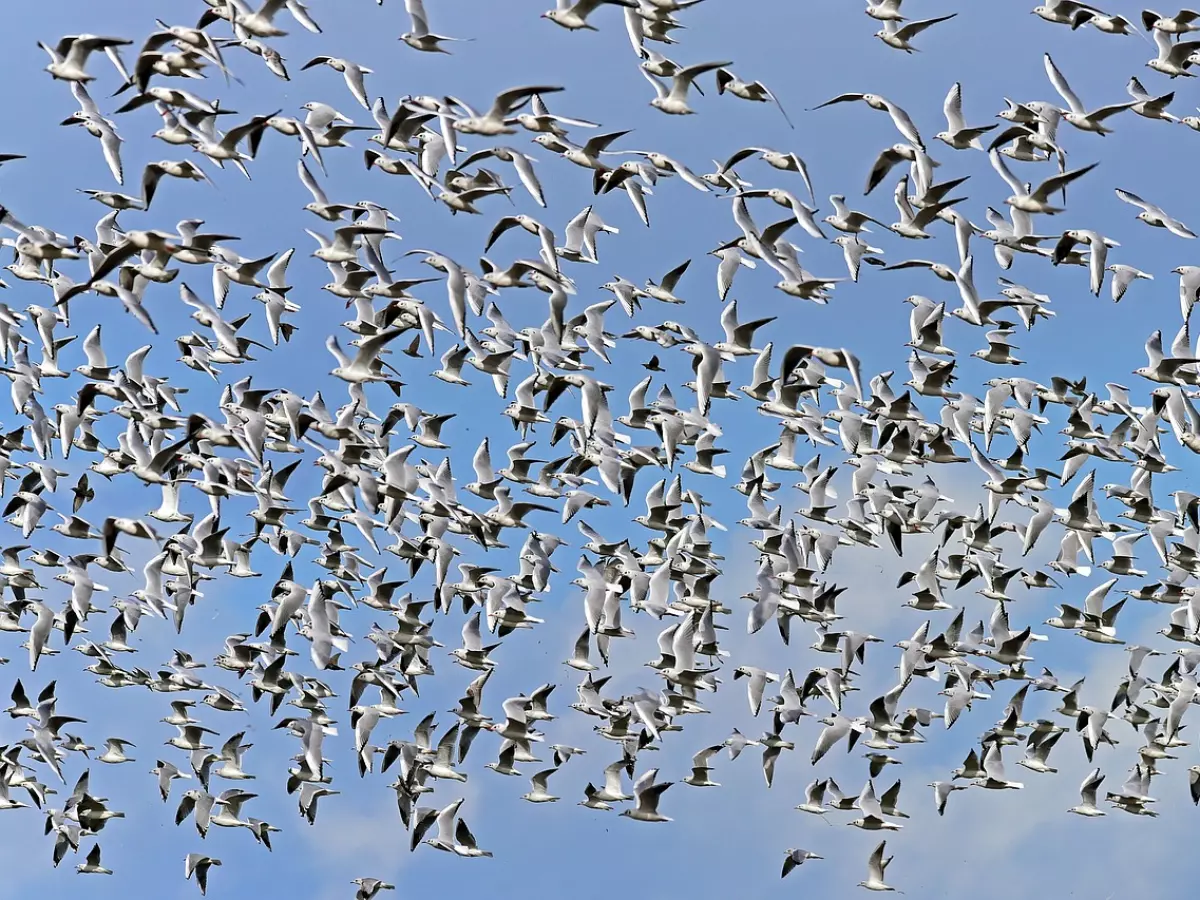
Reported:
(404, 542)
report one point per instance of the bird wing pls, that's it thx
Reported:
(1135, 200)
(840, 98)
(309, 182)
(1060, 84)
(420, 21)
(369, 349)
(683, 79)
(904, 124)
(511, 100)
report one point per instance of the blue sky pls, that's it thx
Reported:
(723, 840)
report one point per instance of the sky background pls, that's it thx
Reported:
(725, 840)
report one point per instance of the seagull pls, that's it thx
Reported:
(1087, 795)
(700, 768)
(352, 72)
(68, 58)
(496, 120)
(368, 888)
(573, 15)
(88, 115)
(876, 867)
(794, 858)
(1181, 23)
(365, 364)
(198, 864)
(673, 100)
(957, 135)
(1098, 253)
(755, 91)
(1149, 106)
(419, 37)
(538, 792)
(646, 797)
(757, 680)
(1036, 200)
(846, 219)
(92, 865)
(1174, 57)
(885, 10)
(114, 752)
(1154, 216)
(1066, 12)
(900, 118)
(993, 771)
(898, 36)
(941, 793)
(1076, 114)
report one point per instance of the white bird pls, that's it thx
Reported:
(646, 797)
(366, 364)
(876, 867)
(92, 865)
(198, 864)
(796, 857)
(673, 100)
(68, 58)
(1123, 277)
(538, 792)
(899, 36)
(1076, 113)
(900, 118)
(419, 37)
(957, 135)
(1154, 216)
(352, 72)
(573, 15)
(1087, 795)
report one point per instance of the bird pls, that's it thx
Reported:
(876, 867)
(796, 857)
(674, 100)
(957, 135)
(573, 15)
(419, 37)
(351, 71)
(369, 888)
(647, 795)
(1154, 216)
(199, 865)
(754, 91)
(496, 120)
(1076, 114)
(1087, 794)
(69, 57)
(1035, 200)
(92, 865)
(899, 36)
(1123, 277)
(900, 118)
